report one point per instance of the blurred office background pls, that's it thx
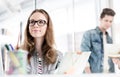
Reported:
(71, 18)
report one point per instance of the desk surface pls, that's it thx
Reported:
(81, 75)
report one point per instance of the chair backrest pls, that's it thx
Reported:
(1, 63)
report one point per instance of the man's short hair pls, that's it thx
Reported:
(107, 11)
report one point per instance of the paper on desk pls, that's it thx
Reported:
(73, 62)
(113, 50)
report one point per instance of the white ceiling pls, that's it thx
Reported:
(8, 7)
(11, 7)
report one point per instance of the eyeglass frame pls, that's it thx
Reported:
(45, 22)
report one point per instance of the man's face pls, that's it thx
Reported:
(106, 22)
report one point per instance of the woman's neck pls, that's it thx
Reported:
(38, 45)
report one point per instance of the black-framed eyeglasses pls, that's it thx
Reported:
(39, 22)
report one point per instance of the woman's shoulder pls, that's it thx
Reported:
(59, 54)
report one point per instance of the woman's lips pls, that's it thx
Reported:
(35, 30)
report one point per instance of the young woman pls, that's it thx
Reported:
(43, 58)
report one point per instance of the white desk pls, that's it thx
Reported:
(81, 75)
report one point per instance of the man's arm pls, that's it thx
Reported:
(86, 42)
(85, 46)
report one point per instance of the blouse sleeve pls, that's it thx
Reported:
(54, 67)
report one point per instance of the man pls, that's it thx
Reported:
(93, 41)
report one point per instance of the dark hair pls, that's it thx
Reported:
(48, 51)
(107, 11)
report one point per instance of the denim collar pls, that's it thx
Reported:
(99, 31)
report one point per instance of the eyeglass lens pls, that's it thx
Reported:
(39, 22)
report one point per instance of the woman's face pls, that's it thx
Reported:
(37, 25)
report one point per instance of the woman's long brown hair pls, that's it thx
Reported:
(48, 51)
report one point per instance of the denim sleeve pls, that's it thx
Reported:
(86, 43)
(111, 66)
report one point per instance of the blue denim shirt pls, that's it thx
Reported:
(92, 41)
